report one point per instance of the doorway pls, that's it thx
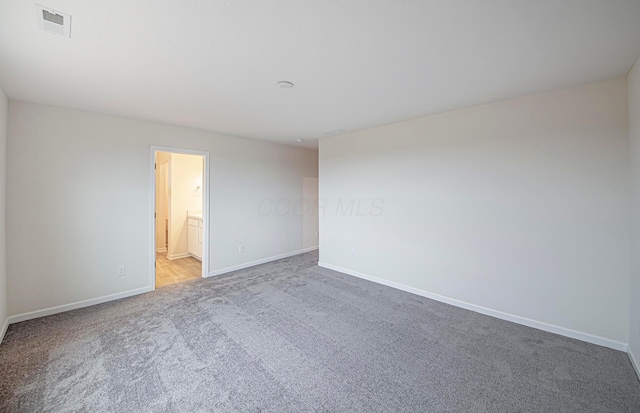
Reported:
(179, 215)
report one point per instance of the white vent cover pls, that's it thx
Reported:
(53, 21)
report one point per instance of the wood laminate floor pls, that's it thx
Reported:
(175, 271)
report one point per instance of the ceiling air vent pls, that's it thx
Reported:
(53, 21)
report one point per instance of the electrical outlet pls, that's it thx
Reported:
(122, 270)
(241, 248)
(353, 253)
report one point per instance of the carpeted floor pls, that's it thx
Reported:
(289, 336)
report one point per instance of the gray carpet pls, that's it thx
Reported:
(289, 336)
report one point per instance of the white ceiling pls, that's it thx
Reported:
(214, 64)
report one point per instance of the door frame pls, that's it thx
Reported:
(152, 207)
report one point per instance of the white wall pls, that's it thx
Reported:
(185, 175)
(4, 107)
(520, 206)
(309, 211)
(78, 190)
(633, 91)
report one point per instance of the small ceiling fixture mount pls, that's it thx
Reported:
(283, 84)
(299, 140)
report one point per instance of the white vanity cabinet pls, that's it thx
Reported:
(194, 237)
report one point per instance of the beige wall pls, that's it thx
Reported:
(162, 200)
(185, 173)
(633, 92)
(4, 107)
(79, 202)
(520, 207)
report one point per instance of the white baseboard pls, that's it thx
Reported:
(589, 338)
(635, 365)
(258, 262)
(73, 306)
(86, 303)
(161, 250)
(4, 330)
(178, 256)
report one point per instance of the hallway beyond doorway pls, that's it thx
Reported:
(179, 214)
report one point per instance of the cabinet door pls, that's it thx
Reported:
(192, 240)
(200, 240)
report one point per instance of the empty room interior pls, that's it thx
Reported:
(288, 206)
